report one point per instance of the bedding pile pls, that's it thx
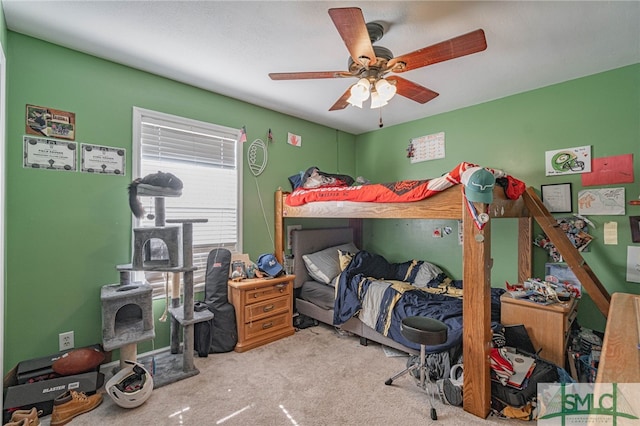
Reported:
(338, 188)
(381, 294)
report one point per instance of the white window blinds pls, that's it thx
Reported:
(206, 158)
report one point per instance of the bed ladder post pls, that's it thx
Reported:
(572, 257)
(476, 317)
(525, 255)
(278, 228)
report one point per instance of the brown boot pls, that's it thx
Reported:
(21, 422)
(30, 415)
(71, 404)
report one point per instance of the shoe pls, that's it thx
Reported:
(452, 393)
(457, 375)
(30, 415)
(71, 404)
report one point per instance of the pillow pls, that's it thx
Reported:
(324, 265)
(345, 258)
(426, 273)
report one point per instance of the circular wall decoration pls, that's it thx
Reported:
(257, 157)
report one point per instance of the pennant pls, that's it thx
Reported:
(270, 136)
(243, 134)
(294, 140)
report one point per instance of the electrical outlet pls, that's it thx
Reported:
(65, 340)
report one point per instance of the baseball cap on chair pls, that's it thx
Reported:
(478, 184)
(270, 265)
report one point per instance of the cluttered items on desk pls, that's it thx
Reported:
(542, 292)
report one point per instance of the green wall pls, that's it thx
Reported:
(512, 134)
(67, 231)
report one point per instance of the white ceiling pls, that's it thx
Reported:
(229, 47)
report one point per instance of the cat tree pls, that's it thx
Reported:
(169, 367)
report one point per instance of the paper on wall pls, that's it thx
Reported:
(633, 264)
(611, 233)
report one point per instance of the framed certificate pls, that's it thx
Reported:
(102, 159)
(50, 154)
(557, 197)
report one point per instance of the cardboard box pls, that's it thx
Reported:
(41, 394)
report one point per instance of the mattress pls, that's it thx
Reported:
(319, 294)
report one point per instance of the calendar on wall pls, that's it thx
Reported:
(424, 148)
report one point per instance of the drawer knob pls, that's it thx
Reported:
(268, 308)
(267, 325)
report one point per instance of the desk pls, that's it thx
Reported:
(548, 326)
(620, 357)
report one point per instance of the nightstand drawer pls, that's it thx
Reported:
(267, 308)
(266, 292)
(256, 328)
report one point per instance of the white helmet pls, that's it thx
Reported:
(131, 386)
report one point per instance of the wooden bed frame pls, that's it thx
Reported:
(451, 204)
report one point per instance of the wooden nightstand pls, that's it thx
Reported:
(264, 310)
(548, 326)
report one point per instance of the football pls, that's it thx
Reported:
(78, 361)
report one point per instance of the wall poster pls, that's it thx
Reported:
(102, 159)
(50, 154)
(425, 148)
(602, 201)
(568, 161)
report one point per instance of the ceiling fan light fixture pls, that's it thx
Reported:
(377, 101)
(385, 89)
(355, 102)
(360, 90)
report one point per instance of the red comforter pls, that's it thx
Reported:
(396, 192)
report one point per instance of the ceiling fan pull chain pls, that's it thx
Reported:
(380, 124)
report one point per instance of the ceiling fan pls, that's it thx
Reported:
(370, 64)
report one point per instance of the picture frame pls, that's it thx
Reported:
(557, 197)
(634, 222)
(49, 122)
(102, 159)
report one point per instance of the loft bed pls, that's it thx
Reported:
(452, 204)
(448, 204)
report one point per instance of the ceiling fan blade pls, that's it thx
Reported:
(353, 29)
(412, 90)
(342, 102)
(308, 75)
(456, 47)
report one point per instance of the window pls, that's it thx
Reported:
(207, 159)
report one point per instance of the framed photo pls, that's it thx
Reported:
(238, 269)
(634, 221)
(53, 123)
(557, 197)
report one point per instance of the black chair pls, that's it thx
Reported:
(425, 332)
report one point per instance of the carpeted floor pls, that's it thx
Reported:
(315, 377)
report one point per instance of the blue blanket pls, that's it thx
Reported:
(371, 287)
